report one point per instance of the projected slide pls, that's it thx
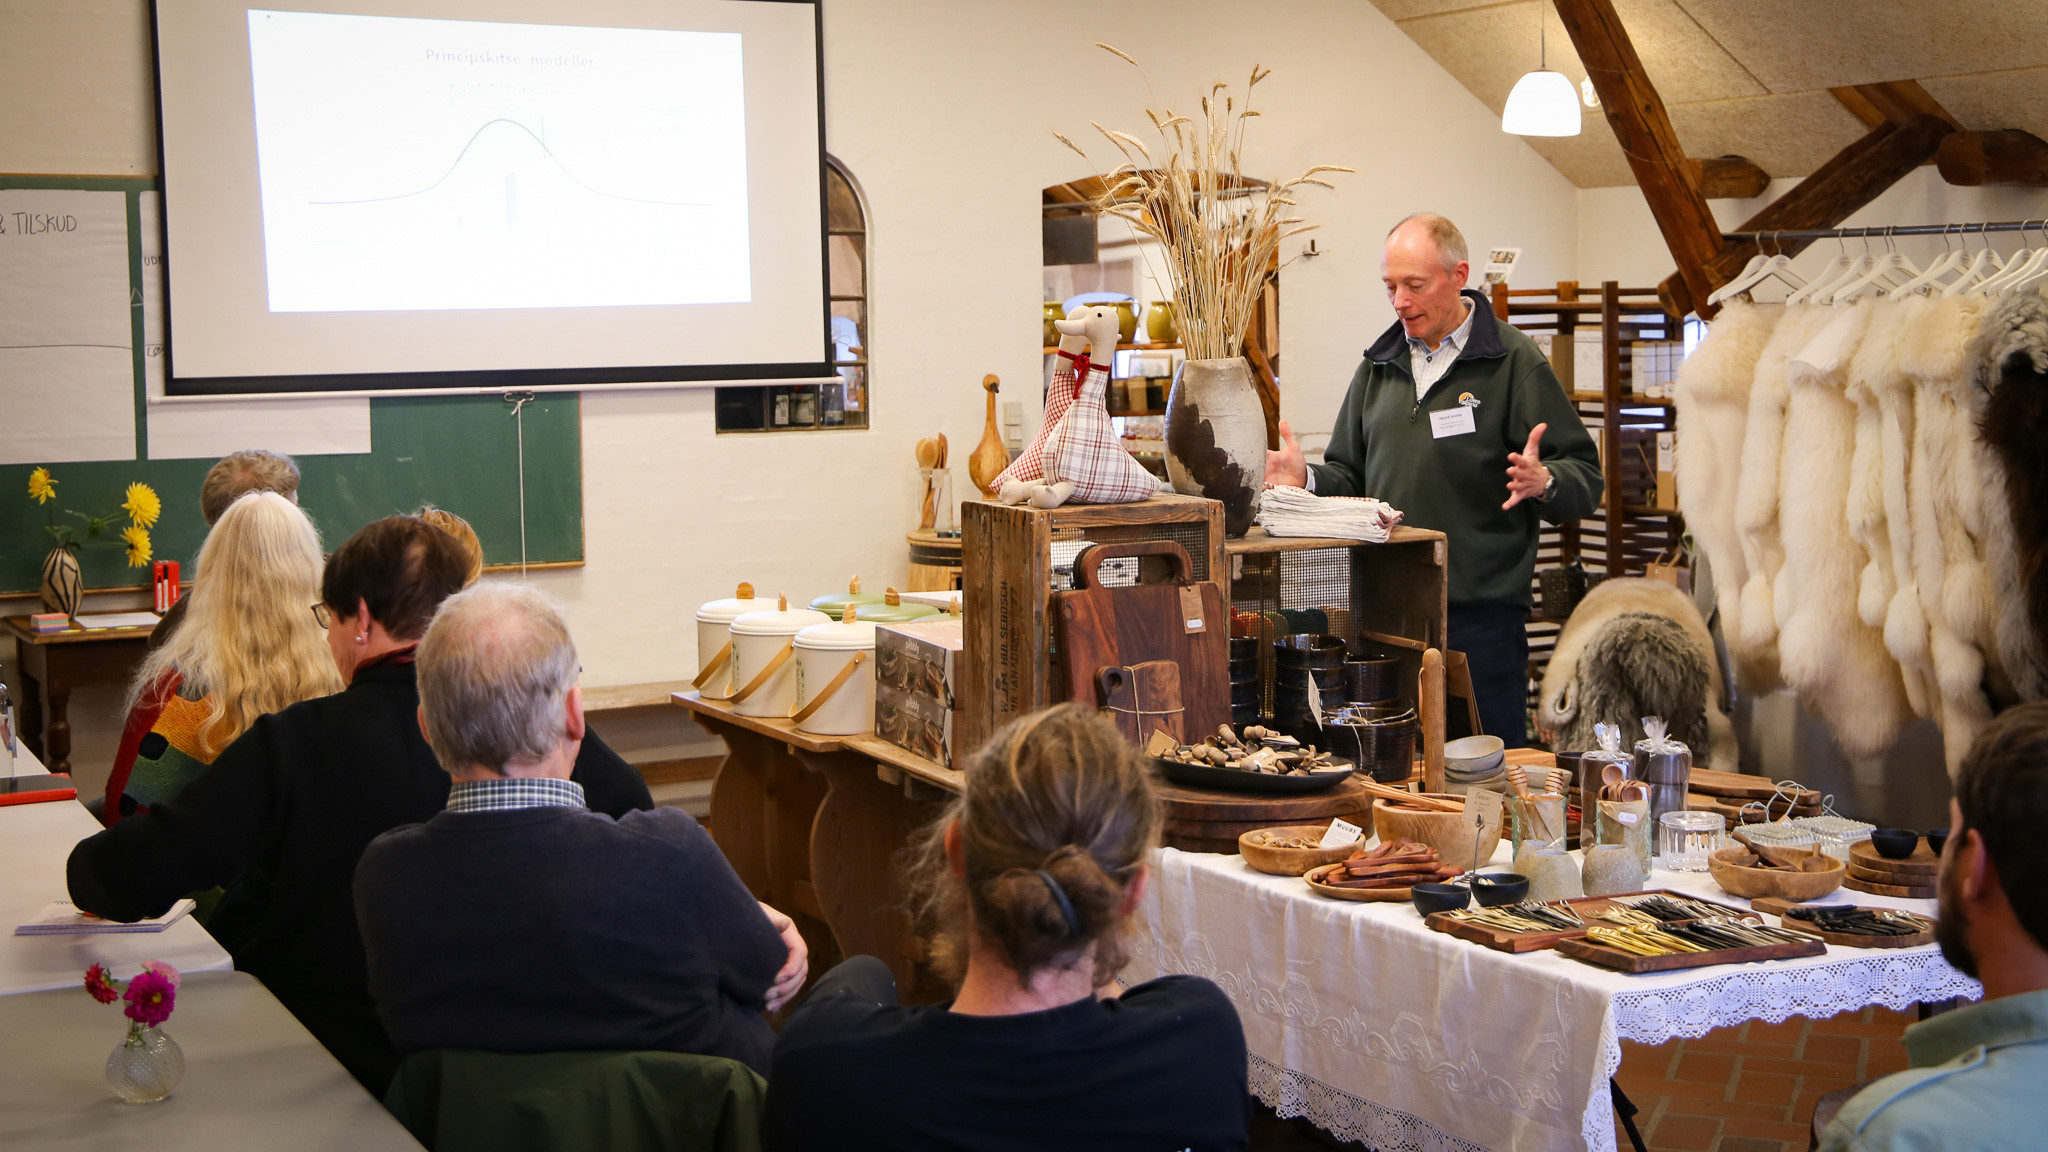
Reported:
(439, 164)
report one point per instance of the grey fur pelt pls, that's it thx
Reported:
(2012, 358)
(1638, 665)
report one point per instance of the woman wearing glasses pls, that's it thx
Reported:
(283, 814)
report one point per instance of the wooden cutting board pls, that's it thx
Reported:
(1144, 698)
(1741, 786)
(1918, 869)
(1777, 907)
(1182, 620)
(1858, 884)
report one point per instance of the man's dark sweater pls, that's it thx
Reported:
(559, 929)
(280, 819)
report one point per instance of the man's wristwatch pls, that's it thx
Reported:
(1549, 485)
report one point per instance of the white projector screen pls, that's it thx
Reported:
(405, 195)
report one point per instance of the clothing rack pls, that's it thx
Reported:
(1887, 230)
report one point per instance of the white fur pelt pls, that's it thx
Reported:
(1712, 394)
(1945, 488)
(1560, 705)
(1836, 662)
(2015, 334)
(1879, 514)
(1756, 497)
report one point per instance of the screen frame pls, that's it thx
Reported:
(558, 379)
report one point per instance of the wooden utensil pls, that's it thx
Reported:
(929, 452)
(1182, 620)
(941, 463)
(1429, 697)
(989, 457)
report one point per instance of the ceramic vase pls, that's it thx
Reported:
(1054, 310)
(1159, 323)
(1126, 321)
(1612, 869)
(1553, 875)
(62, 586)
(1216, 438)
(145, 1065)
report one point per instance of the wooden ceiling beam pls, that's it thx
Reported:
(2010, 157)
(1729, 178)
(1853, 178)
(1643, 128)
(1893, 102)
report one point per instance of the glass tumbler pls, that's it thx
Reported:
(1686, 839)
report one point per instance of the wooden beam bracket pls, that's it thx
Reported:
(2009, 158)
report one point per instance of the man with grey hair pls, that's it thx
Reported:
(517, 920)
(1489, 398)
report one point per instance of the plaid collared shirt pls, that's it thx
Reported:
(504, 795)
(1429, 367)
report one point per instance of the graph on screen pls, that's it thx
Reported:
(410, 164)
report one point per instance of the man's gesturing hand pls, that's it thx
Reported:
(791, 978)
(1526, 478)
(1286, 466)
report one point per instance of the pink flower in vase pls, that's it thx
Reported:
(162, 969)
(151, 996)
(101, 984)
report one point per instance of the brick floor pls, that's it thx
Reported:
(1752, 1088)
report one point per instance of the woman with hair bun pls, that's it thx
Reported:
(1031, 875)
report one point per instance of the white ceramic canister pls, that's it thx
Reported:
(714, 657)
(835, 677)
(763, 673)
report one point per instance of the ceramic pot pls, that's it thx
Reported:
(1160, 323)
(1612, 869)
(714, 637)
(763, 676)
(1054, 310)
(823, 651)
(145, 1065)
(1126, 321)
(62, 585)
(1216, 438)
(1553, 875)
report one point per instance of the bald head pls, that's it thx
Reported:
(496, 669)
(1424, 269)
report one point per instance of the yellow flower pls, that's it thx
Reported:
(143, 507)
(138, 545)
(40, 487)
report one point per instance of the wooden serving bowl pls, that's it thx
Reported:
(1258, 852)
(1450, 833)
(1758, 883)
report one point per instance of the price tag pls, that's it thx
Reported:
(1628, 817)
(1340, 833)
(1191, 609)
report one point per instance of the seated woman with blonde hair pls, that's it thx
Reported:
(1032, 873)
(248, 645)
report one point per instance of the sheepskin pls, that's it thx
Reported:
(2011, 359)
(1640, 664)
(1562, 699)
(1904, 622)
(1756, 497)
(1875, 358)
(1712, 395)
(1838, 664)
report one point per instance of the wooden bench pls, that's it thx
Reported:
(654, 694)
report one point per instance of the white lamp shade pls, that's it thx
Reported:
(1542, 104)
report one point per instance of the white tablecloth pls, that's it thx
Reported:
(1380, 1030)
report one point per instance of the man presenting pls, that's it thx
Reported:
(1448, 402)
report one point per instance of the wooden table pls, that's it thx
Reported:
(53, 664)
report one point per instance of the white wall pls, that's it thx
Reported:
(944, 113)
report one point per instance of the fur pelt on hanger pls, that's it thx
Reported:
(1640, 664)
(1837, 664)
(2011, 355)
(1904, 622)
(1712, 394)
(1756, 497)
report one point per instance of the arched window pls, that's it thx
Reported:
(810, 407)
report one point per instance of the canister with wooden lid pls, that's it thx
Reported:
(834, 604)
(895, 610)
(714, 640)
(764, 680)
(835, 676)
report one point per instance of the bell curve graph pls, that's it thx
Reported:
(408, 164)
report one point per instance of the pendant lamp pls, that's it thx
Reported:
(1543, 102)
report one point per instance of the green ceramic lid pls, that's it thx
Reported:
(835, 604)
(892, 610)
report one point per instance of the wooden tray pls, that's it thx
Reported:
(1856, 884)
(1923, 862)
(1844, 939)
(1501, 941)
(1366, 895)
(1742, 786)
(1895, 879)
(1239, 780)
(1602, 956)
(1118, 627)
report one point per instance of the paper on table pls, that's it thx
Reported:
(67, 362)
(119, 620)
(62, 917)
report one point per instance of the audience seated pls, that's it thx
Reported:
(1975, 1070)
(517, 920)
(283, 814)
(235, 475)
(250, 647)
(1032, 874)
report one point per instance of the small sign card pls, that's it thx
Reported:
(1340, 833)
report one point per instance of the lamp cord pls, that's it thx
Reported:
(519, 401)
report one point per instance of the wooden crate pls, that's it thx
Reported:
(1007, 578)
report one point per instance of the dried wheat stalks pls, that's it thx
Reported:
(1219, 231)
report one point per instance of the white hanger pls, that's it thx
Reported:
(1759, 269)
(2014, 269)
(2033, 273)
(1885, 272)
(1834, 271)
(1825, 294)
(1951, 260)
(1986, 263)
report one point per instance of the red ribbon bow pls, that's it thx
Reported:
(1082, 365)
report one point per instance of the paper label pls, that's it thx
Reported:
(1452, 422)
(1666, 452)
(1340, 833)
(1191, 608)
(1486, 807)
(1628, 817)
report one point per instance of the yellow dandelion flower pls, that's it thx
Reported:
(40, 487)
(142, 505)
(137, 540)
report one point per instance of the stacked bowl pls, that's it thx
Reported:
(1245, 689)
(1475, 762)
(1298, 661)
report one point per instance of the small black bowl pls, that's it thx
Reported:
(1309, 650)
(1493, 889)
(1439, 897)
(1936, 837)
(1895, 843)
(1245, 693)
(1244, 647)
(1329, 680)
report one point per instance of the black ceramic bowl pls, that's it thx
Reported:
(1244, 647)
(1439, 898)
(1309, 650)
(1936, 837)
(1895, 843)
(1243, 714)
(1329, 680)
(1493, 889)
(1245, 693)
(1244, 669)
(1368, 680)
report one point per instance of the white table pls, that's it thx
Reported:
(35, 840)
(1378, 1029)
(254, 1078)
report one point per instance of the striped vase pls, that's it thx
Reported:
(62, 585)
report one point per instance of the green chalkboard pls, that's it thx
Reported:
(461, 453)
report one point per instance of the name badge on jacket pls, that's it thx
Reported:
(1452, 422)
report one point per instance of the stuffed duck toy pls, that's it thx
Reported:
(1077, 454)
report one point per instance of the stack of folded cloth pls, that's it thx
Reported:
(1289, 511)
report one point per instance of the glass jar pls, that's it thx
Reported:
(145, 1065)
(1686, 839)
